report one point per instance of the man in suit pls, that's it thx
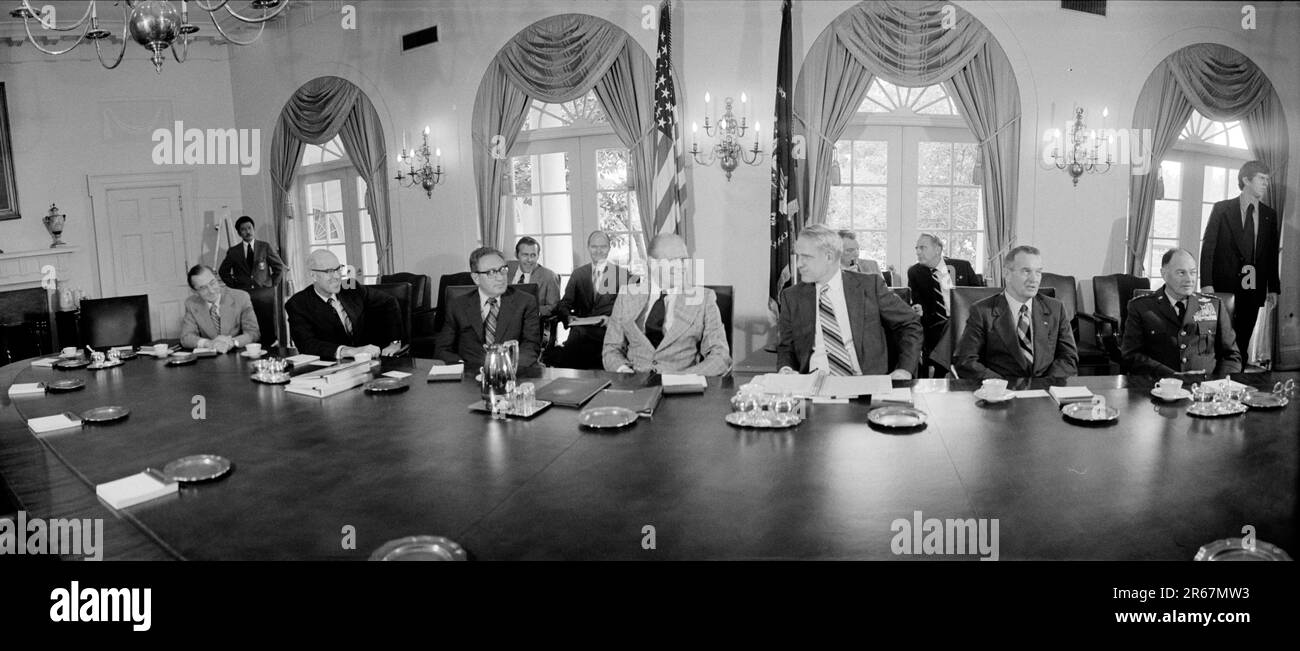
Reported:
(215, 316)
(1240, 251)
(591, 293)
(1018, 333)
(849, 259)
(931, 280)
(524, 269)
(495, 313)
(251, 263)
(334, 322)
(664, 323)
(835, 321)
(1176, 330)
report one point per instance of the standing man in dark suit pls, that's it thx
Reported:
(495, 313)
(251, 263)
(591, 293)
(1175, 330)
(331, 322)
(1240, 251)
(835, 321)
(1018, 333)
(931, 280)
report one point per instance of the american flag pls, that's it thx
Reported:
(670, 174)
(784, 218)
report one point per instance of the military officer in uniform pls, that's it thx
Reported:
(1177, 330)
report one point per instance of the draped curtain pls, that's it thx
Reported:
(1222, 84)
(554, 60)
(912, 44)
(321, 109)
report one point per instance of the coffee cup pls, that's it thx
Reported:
(161, 350)
(253, 349)
(1169, 385)
(71, 351)
(994, 387)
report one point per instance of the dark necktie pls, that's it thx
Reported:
(1181, 308)
(490, 323)
(1248, 247)
(248, 255)
(1026, 343)
(654, 322)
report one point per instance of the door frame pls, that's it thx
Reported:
(98, 187)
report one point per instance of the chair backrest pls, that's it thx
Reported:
(726, 306)
(1065, 291)
(1111, 294)
(420, 289)
(263, 299)
(963, 298)
(531, 288)
(116, 321)
(904, 293)
(402, 293)
(459, 278)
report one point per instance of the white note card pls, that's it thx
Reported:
(27, 389)
(397, 374)
(55, 423)
(448, 370)
(132, 490)
(1030, 393)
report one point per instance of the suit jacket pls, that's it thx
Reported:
(316, 328)
(1156, 343)
(237, 319)
(581, 299)
(926, 293)
(461, 336)
(1221, 250)
(548, 287)
(695, 342)
(872, 307)
(266, 270)
(990, 347)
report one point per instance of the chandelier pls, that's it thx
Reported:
(728, 151)
(154, 24)
(421, 168)
(1084, 149)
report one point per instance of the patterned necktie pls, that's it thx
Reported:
(216, 316)
(654, 322)
(1181, 308)
(343, 315)
(940, 308)
(490, 323)
(1026, 344)
(836, 354)
(1248, 248)
(595, 279)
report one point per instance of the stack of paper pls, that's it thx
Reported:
(300, 360)
(683, 383)
(326, 382)
(27, 389)
(55, 423)
(1066, 395)
(899, 396)
(447, 372)
(822, 385)
(140, 487)
(47, 362)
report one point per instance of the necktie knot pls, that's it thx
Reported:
(1024, 309)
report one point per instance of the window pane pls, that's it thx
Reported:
(555, 213)
(1165, 223)
(872, 245)
(839, 211)
(334, 227)
(869, 208)
(965, 245)
(315, 197)
(933, 208)
(333, 196)
(844, 160)
(935, 163)
(1158, 248)
(311, 155)
(870, 160)
(611, 169)
(319, 232)
(554, 172)
(369, 258)
(557, 254)
(1205, 217)
(339, 251)
(967, 209)
(1215, 183)
(526, 218)
(1171, 172)
(361, 193)
(965, 157)
(367, 227)
(612, 211)
(521, 171)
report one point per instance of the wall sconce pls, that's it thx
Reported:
(420, 168)
(1083, 155)
(730, 130)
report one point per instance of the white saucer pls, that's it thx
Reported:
(251, 355)
(980, 395)
(1181, 394)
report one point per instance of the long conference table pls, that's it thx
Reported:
(1156, 484)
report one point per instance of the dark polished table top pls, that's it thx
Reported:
(1157, 484)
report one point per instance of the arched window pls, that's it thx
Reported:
(332, 197)
(908, 165)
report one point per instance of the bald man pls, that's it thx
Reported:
(665, 323)
(591, 293)
(1176, 330)
(332, 322)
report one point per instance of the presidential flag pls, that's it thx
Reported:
(784, 217)
(670, 174)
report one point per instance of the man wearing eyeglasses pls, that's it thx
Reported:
(333, 322)
(216, 316)
(494, 313)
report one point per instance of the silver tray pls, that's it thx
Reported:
(387, 385)
(66, 384)
(197, 467)
(762, 420)
(1216, 409)
(1234, 549)
(1082, 411)
(185, 359)
(125, 354)
(1261, 400)
(606, 417)
(896, 416)
(419, 548)
(270, 378)
(68, 364)
(538, 407)
(106, 364)
(105, 414)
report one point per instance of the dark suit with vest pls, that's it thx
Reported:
(264, 270)
(990, 346)
(1225, 253)
(1156, 342)
(318, 330)
(462, 335)
(582, 298)
(872, 308)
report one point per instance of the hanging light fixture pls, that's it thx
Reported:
(154, 24)
(416, 167)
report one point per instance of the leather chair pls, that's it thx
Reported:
(263, 299)
(401, 292)
(904, 293)
(1111, 295)
(423, 315)
(447, 281)
(962, 299)
(1093, 359)
(116, 321)
(420, 289)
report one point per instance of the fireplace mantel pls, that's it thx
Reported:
(22, 269)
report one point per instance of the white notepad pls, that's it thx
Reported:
(899, 396)
(47, 362)
(55, 423)
(27, 389)
(299, 360)
(132, 490)
(448, 372)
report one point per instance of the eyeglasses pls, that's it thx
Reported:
(336, 271)
(499, 271)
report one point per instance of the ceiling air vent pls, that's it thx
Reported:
(1096, 7)
(419, 38)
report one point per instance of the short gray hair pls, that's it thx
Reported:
(1011, 255)
(824, 237)
(933, 240)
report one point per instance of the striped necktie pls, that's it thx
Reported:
(836, 354)
(1026, 343)
(343, 315)
(490, 323)
(216, 316)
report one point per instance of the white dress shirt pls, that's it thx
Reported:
(483, 307)
(819, 361)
